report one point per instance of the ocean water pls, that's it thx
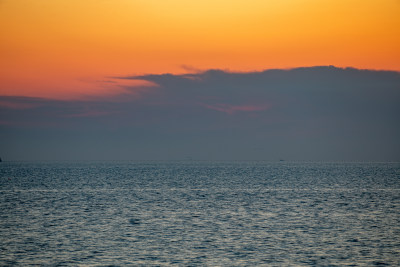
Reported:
(199, 214)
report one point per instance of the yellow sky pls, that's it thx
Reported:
(65, 48)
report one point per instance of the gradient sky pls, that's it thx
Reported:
(86, 79)
(70, 48)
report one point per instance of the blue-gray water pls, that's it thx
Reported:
(200, 213)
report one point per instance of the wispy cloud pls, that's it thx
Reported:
(90, 113)
(320, 113)
(10, 104)
(231, 109)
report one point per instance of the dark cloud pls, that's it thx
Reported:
(319, 113)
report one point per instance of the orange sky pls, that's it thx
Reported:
(71, 48)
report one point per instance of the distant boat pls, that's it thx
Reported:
(281, 160)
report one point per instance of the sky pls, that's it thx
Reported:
(96, 79)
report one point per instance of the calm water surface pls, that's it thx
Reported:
(199, 213)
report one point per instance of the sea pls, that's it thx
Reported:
(199, 213)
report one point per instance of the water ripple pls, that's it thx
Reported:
(215, 214)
